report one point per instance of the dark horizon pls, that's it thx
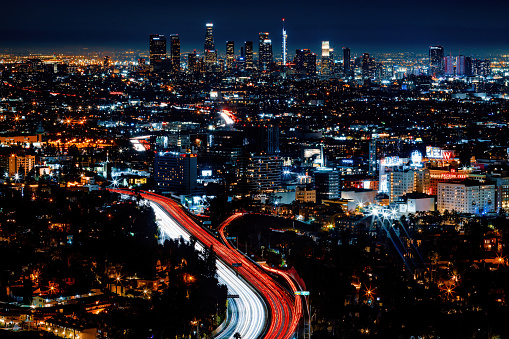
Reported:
(366, 26)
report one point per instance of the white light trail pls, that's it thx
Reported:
(249, 314)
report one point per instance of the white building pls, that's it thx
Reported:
(466, 197)
(399, 183)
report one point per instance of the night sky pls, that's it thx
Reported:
(464, 27)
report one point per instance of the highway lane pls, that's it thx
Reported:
(249, 313)
(281, 303)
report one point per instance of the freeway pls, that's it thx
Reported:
(284, 315)
(248, 313)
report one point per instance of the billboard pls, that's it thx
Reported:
(438, 153)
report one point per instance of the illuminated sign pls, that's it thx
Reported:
(206, 173)
(447, 155)
(448, 176)
(416, 158)
(438, 153)
(433, 152)
(391, 161)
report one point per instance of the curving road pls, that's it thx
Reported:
(284, 309)
(248, 311)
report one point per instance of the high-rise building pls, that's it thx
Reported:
(284, 48)
(248, 49)
(346, 60)
(468, 66)
(157, 50)
(466, 197)
(436, 60)
(265, 56)
(325, 66)
(372, 157)
(460, 65)
(230, 54)
(176, 171)
(193, 63)
(481, 67)
(449, 65)
(305, 62)
(326, 184)
(210, 48)
(175, 53)
(368, 67)
(258, 172)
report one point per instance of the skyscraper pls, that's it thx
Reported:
(346, 60)
(230, 54)
(248, 49)
(436, 60)
(325, 64)
(175, 53)
(285, 45)
(449, 65)
(192, 62)
(210, 48)
(157, 50)
(460, 65)
(176, 171)
(264, 51)
(305, 62)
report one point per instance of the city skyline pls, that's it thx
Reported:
(398, 28)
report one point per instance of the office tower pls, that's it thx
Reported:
(482, 67)
(436, 60)
(449, 65)
(305, 62)
(325, 64)
(468, 66)
(368, 67)
(176, 171)
(157, 51)
(460, 65)
(326, 184)
(372, 157)
(230, 54)
(248, 48)
(346, 60)
(175, 52)
(264, 139)
(285, 45)
(210, 48)
(258, 172)
(209, 37)
(192, 62)
(264, 51)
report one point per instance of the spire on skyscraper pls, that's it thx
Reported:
(285, 45)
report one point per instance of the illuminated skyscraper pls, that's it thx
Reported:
(325, 64)
(210, 48)
(285, 45)
(248, 49)
(305, 62)
(449, 65)
(230, 54)
(192, 62)
(346, 60)
(436, 60)
(157, 50)
(264, 51)
(460, 65)
(209, 38)
(175, 52)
